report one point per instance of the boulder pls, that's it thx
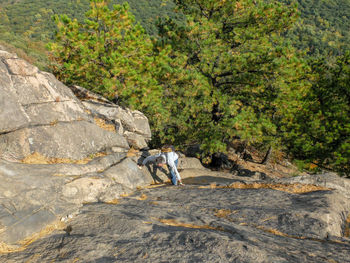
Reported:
(127, 173)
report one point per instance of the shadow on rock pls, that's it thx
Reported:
(205, 180)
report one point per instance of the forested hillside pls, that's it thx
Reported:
(323, 27)
(28, 24)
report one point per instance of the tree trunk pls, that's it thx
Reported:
(267, 156)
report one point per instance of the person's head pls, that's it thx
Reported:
(166, 149)
(160, 161)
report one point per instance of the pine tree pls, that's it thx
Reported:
(317, 131)
(112, 55)
(237, 68)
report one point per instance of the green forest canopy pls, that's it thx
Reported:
(323, 27)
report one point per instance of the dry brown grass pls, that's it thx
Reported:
(115, 201)
(224, 213)
(37, 158)
(173, 222)
(132, 152)
(53, 123)
(156, 185)
(102, 124)
(142, 197)
(5, 248)
(269, 218)
(275, 232)
(347, 227)
(289, 188)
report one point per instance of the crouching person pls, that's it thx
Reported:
(167, 157)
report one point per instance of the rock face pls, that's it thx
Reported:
(40, 114)
(233, 219)
(58, 152)
(133, 125)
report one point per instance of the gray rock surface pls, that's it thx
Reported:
(131, 124)
(40, 114)
(43, 122)
(201, 223)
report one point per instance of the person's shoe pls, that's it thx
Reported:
(181, 183)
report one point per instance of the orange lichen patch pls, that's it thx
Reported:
(142, 197)
(4, 248)
(347, 227)
(289, 188)
(37, 158)
(115, 201)
(102, 124)
(173, 222)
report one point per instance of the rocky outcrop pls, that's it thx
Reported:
(58, 152)
(133, 125)
(40, 114)
(61, 148)
(215, 217)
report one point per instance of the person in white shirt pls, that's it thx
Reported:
(169, 157)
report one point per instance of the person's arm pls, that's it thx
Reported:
(150, 158)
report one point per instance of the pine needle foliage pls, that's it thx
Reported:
(110, 54)
(318, 130)
(237, 66)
